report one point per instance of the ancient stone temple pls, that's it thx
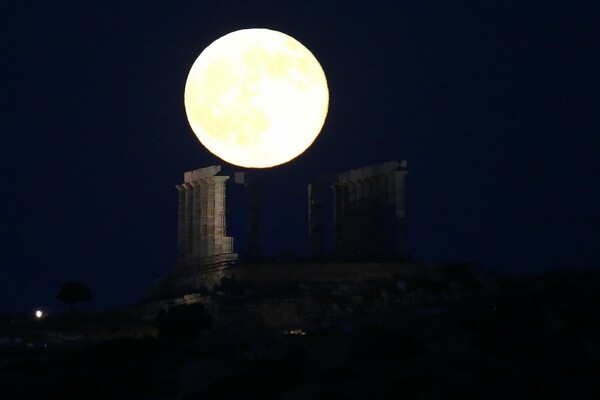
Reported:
(369, 213)
(369, 226)
(202, 239)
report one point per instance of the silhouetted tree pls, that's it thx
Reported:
(74, 292)
(183, 322)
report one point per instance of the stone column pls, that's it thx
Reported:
(210, 217)
(398, 211)
(377, 203)
(370, 230)
(360, 235)
(181, 228)
(220, 224)
(189, 229)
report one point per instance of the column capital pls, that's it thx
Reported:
(218, 179)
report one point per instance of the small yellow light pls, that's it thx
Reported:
(39, 314)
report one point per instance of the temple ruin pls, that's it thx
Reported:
(202, 221)
(369, 223)
(369, 213)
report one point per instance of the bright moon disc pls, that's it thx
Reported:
(256, 98)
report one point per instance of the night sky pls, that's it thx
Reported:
(493, 103)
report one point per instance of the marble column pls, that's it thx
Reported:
(381, 221)
(361, 234)
(210, 217)
(398, 210)
(220, 224)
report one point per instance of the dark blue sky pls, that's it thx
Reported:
(493, 103)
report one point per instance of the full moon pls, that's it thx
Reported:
(256, 98)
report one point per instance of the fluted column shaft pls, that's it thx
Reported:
(210, 217)
(220, 223)
(360, 241)
(396, 201)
